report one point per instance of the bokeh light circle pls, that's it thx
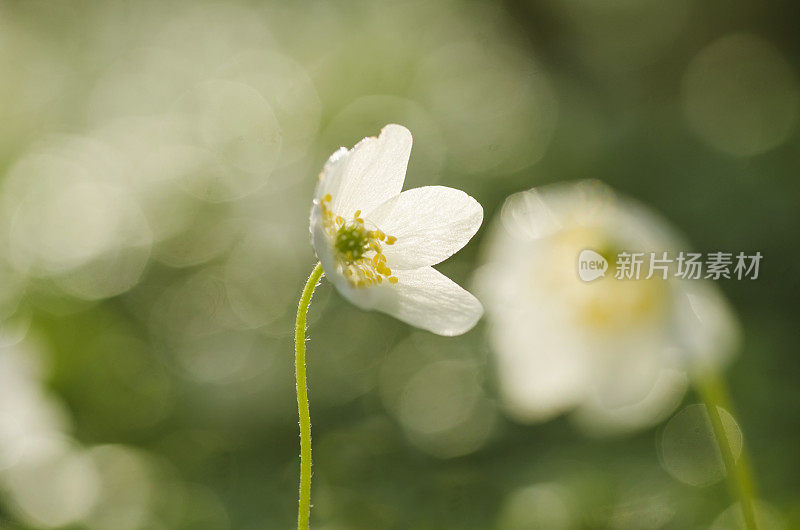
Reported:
(496, 90)
(741, 96)
(545, 505)
(688, 448)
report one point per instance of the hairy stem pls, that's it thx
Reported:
(714, 393)
(304, 502)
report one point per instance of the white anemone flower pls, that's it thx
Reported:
(377, 245)
(617, 351)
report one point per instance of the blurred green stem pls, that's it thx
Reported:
(304, 502)
(714, 393)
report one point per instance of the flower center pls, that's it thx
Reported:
(352, 242)
(606, 305)
(358, 249)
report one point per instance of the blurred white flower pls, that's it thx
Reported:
(378, 245)
(615, 350)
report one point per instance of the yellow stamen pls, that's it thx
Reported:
(383, 269)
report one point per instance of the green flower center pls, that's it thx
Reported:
(351, 242)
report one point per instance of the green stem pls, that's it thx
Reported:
(304, 502)
(714, 393)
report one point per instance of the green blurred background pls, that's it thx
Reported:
(157, 163)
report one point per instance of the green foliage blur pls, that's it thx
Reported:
(157, 164)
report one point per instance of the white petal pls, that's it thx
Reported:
(319, 240)
(599, 419)
(705, 326)
(430, 224)
(427, 299)
(540, 377)
(367, 175)
(542, 364)
(628, 366)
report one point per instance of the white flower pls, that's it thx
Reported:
(377, 245)
(615, 350)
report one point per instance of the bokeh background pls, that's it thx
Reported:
(157, 163)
